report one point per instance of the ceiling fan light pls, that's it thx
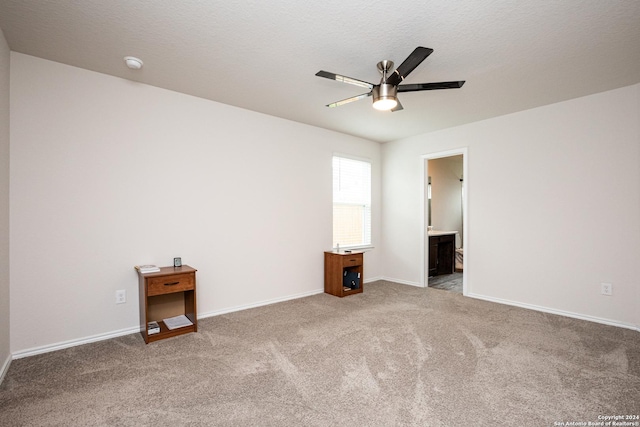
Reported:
(384, 97)
(385, 104)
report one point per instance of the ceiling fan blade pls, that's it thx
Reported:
(430, 86)
(348, 100)
(344, 79)
(418, 55)
(397, 107)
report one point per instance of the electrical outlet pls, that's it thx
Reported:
(606, 288)
(121, 296)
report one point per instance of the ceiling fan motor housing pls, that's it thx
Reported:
(384, 95)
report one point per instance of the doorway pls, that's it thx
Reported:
(444, 226)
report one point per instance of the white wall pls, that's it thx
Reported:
(5, 354)
(107, 173)
(554, 206)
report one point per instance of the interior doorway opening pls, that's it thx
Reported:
(445, 182)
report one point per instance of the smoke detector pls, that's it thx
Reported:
(133, 62)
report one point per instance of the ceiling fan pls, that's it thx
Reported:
(385, 94)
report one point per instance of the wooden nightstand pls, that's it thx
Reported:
(336, 265)
(164, 294)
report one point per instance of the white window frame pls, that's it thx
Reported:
(363, 199)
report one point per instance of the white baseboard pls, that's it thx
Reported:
(72, 343)
(557, 312)
(402, 282)
(136, 329)
(258, 304)
(5, 368)
(272, 301)
(535, 307)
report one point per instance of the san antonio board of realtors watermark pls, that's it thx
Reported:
(604, 421)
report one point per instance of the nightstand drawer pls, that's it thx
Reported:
(351, 260)
(169, 284)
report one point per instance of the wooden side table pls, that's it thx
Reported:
(336, 265)
(168, 293)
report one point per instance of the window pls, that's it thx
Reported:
(351, 202)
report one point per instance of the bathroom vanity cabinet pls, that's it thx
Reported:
(441, 254)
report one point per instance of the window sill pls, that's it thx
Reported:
(363, 248)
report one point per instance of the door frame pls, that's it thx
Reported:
(424, 247)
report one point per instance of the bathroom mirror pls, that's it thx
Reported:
(429, 200)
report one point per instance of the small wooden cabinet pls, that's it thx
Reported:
(164, 294)
(441, 254)
(343, 268)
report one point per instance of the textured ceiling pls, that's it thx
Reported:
(263, 56)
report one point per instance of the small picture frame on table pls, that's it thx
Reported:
(177, 262)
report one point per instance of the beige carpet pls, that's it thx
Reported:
(393, 356)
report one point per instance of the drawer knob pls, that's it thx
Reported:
(171, 284)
